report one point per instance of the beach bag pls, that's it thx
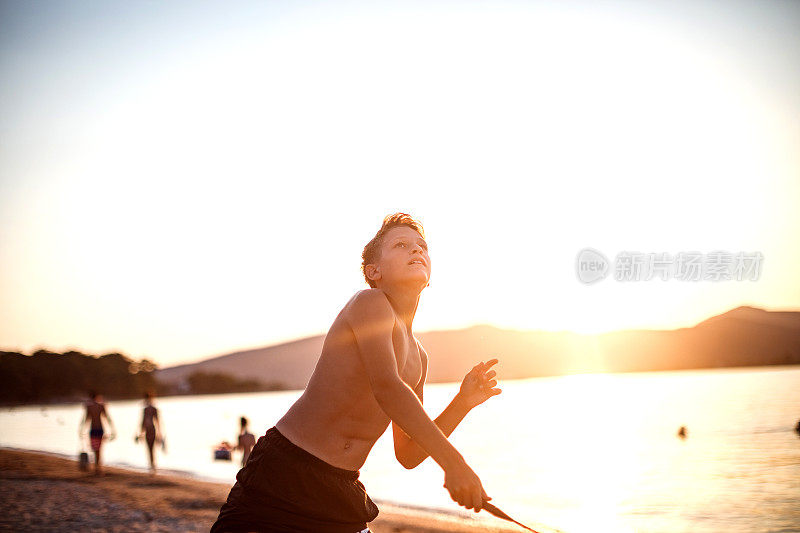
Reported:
(83, 461)
(221, 454)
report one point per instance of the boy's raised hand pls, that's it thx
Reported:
(478, 385)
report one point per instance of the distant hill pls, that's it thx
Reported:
(289, 364)
(745, 336)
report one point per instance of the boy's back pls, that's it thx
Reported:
(94, 412)
(337, 418)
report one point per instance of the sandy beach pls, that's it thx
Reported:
(42, 492)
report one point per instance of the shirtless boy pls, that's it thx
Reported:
(95, 412)
(302, 475)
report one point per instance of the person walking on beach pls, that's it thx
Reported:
(150, 429)
(302, 475)
(246, 440)
(93, 416)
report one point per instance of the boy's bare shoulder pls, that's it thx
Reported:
(368, 305)
(367, 297)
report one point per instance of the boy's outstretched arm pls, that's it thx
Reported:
(476, 388)
(84, 422)
(113, 433)
(371, 318)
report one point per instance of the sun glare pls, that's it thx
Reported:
(196, 173)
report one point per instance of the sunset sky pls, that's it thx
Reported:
(183, 179)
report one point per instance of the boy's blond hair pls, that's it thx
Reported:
(372, 251)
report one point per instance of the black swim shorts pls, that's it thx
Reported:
(283, 488)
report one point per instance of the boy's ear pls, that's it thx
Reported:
(373, 272)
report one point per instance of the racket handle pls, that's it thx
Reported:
(500, 514)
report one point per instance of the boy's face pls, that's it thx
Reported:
(404, 258)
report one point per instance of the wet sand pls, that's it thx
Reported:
(41, 492)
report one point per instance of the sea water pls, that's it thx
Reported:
(579, 454)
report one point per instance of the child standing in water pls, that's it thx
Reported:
(150, 429)
(246, 441)
(94, 414)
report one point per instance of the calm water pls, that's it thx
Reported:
(589, 453)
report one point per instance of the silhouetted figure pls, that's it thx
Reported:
(682, 433)
(95, 412)
(797, 427)
(302, 474)
(246, 441)
(151, 429)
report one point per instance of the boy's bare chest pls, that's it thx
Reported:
(409, 360)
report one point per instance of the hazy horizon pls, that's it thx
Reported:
(204, 357)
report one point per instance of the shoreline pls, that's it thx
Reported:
(9, 405)
(47, 491)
